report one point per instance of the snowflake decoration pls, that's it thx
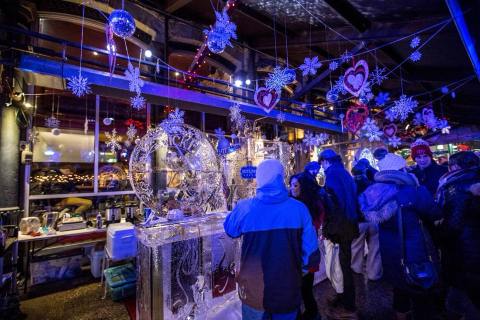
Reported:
(389, 115)
(416, 56)
(333, 66)
(281, 117)
(279, 78)
(310, 140)
(310, 66)
(52, 122)
(346, 56)
(369, 96)
(415, 42)
(79, 85)
(382, 98)
(135, 83)
(377, 76)
(174, 122)
(113, 141)
(418, 120)
(371, 130)
(322, 138)
(366, 90)
(394, 141)
(403, 107)
(219, 133)
(236, 117)
(444, 126)
(131, 132)
(220, 34)
(138, 102)
(339, 87)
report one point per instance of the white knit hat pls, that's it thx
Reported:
(268, 170)
(392, 162)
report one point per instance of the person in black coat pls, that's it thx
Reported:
(379, 204)
(341, 225)
(460, 234)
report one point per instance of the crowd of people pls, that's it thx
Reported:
(417, 228)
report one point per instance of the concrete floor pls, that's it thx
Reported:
(374, 300)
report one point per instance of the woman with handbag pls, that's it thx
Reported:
(399, 206)
(304, 189)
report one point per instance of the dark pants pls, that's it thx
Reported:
(345, 257)
(420, 304)
(311, 309)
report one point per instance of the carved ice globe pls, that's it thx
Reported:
(122, 23)
(175, 167)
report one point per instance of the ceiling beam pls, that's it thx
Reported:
(348, 12)
(174, 5)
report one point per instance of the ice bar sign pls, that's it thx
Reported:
(248, 172)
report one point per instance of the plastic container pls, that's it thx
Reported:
(121, 241)
(120, 276)
(96, 258)
(123, 292)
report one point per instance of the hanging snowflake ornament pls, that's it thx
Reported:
(333, 65)
(135, 83)
(403, 107)
(444, 126)
(281, 117)
(322, 138)
(416, 56)
(131, 132)
(418, 119)
(279, 78)
(310, 66)
(52, 122)
(339, 86)
(310, 140)
(236, 117)
(415, 42)
(382, 98)
(390, 116)
(79, 85)
(113, 141)
(346, 56)
(218, 37)
(138, 102)
(174, 122)
(394, 141)
(377, 76)
(371, 131)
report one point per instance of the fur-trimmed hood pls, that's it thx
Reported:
(378, 202)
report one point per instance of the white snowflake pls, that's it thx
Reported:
(131, 132)
(444, 126)
(416, 56)
(236, 117)
(333, 65)
(279, 78)
(394, 141)
(310, 66)
(371, 131)
(346, 56)
(174, 122)
(138, 102)
(389, 115)
(135, 83)
(382, 98)
(52, 122)
(415, 42)
(322, 138)
(113, 141)
(403, 107)
(79, 85)
(377, 76)
(281, 117)
(310, 140)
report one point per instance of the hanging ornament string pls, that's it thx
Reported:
(286, 40)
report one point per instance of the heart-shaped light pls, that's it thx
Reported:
(266, 99)
(390, 130)
(355, 117)
(355, 78)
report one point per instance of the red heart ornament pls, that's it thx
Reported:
(266, 99)
(355, 78)
(390, 130)
(355, 117)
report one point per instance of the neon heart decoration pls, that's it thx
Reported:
(355, 117)
(390, 130)
(266, 99)
(355, 78)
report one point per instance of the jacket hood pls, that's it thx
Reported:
(451, 177)
(378, 202)
(273, 192)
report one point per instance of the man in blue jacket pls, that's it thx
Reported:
(279, 244)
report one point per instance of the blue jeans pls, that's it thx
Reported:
(248, 313)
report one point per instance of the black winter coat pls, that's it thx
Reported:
(430, 176)
(460, 227)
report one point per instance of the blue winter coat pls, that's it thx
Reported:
(279, 242)
(379, 204)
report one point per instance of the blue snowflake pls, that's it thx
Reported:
(371, 130)
(137, 102)
(135, 83)
(394, 141)
(382, 98)
(403, 107)
(79, 85)
(279, 78)
(416, 56)
(415, 42)
(377, 76)
(174, 122)
(220, 34)
(333, 65)
(346, 56)
(339, 86)
(310, 66)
